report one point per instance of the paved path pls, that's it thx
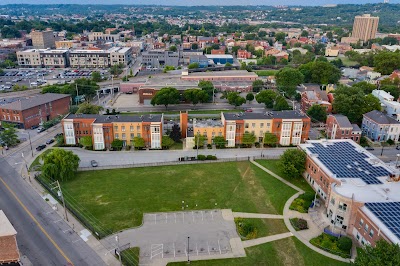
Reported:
(305, 235)
(257, 215)
(263, 240)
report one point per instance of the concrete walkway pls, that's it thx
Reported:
(263, 240)
(305, 235)
(256, 215)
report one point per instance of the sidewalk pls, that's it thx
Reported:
(305, 235)
(106, 255)
(263, 240)
(256, 215)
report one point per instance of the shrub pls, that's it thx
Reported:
(127, 147)
(211, 157)
(209, 146)
(390, 142)
(331, 244)
(257, 144)
(302, 203)
(299, 224)
(201, 157)
(245, 228)
(345, 243)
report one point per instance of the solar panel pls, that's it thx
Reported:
(339, 155)
(388, 213)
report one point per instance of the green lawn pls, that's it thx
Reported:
(266, 227)
(347, 62)
(285, 252)
(118, 198)
(263, 73)
(275, 167)
(130, 257)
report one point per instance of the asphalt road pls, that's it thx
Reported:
(42, 235)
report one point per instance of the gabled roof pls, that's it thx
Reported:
(380, 118)
(342, 120)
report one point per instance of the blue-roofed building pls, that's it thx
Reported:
(220, 59)
(201, 59)
(359, 193)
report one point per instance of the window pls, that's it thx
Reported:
(342, 206)
(116, 136)
(131, 128)
(361, 222)
(123, 136)
(339, 219)
(220, 134)
(366, 227)
(138, 128)
(116, 128)
(268, 124)
(253, 125)
(139, 135)
(246, 125)
(261, 124)
(132, 135)
(371, 233)
(123, 128)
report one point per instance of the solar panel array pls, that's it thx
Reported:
(342, 159)
(388, 213)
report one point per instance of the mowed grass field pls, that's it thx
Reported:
(118, 198)
(284, 252)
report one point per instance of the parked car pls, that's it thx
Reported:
(34, 127)
(93, 163)
(369, 148)
(249, 110)
(40, 147)
(398, 147)
(49, 141)
(40, 129)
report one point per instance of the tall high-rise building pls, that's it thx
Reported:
(43, 39)
(365, 27)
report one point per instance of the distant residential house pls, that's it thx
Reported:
(332, 51)
(395, 75)
(311, 97)
(339, 127)
(379, 127)
(350, 72)
(218, 51)
(281, 55)
(271, 51)
(243, 54)
(388, 103)
(278, 46)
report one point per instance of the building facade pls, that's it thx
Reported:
(365, 27)
(43, 39)
(379, 127)
(389, 105)
(358, 191)
(339, 127)
(158, 58)
(104, 129)
(35, 110)
(290, 127)
(43, 58)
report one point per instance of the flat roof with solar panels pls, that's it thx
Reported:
(362, 177)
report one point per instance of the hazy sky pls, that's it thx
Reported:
(197, 2)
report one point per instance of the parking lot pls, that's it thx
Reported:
(164, 236)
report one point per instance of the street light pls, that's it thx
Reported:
(30, 142)
(188, 250)
(397, 159)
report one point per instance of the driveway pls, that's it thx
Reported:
(163, 237)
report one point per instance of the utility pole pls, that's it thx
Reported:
(30, 142)
(77, 93)
(60, 194)
(188, 250)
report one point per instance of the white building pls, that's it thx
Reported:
(390, 106)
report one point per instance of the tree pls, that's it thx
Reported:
(194, 65)
(88, 108)
(235, 99)
(207, 86)
(270, 139)
(352, 102)
(250, 97)
(392, 89)
(59, 164)
(219, 142)
(138, 143)
(173, 48)
(320, 72)
(266, 97)
(196, 96)
(317, 113)
(228, 64)
(248, 139)
(9, 135)
(365, 86)
(200, 140)
(293, 163)
(304, 33)
(166, 96)
(195, 46)
(166, 142)
(116, 69)
(281, 104)
(258, 84)
(386, 62)
(287, 80)
(96, 76)
(175, 133)
(382, 254)
(280, 36)
(86, 141)
(117, 144)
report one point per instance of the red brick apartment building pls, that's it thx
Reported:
(31, 111)
(358, 191)
(103, 129)
(339, 127)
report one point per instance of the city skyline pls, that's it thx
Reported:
(201, 3)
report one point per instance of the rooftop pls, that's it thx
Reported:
(117, 118)
(288, 114)
(6, 228)
(380, 118)
(212, 56)
(8, 244)
(227, 73)
(207, 123)
(30, 102)
(343, 121)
